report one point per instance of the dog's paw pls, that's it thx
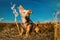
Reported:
(27, 35)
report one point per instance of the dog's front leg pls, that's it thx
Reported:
(21, 31)
(28, 30)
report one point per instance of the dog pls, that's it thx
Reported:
(26, 22)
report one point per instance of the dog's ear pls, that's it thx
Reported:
(30, 11)
(21, 8)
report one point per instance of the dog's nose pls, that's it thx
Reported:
(27, 17)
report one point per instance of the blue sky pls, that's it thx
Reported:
(42, 10)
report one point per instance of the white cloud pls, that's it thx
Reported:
(1, 19)
(13, 7)
(56, 16)
(58, 12)
(14, 10)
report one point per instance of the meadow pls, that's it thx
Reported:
(48, 31)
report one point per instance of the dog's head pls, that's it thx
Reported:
(24, 13)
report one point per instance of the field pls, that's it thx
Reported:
(48, 31)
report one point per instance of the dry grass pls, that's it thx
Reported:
(8, 31)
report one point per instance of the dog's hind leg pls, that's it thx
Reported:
(36, 28)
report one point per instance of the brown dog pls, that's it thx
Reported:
(26, 22)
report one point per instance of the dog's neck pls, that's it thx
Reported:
(23, 20)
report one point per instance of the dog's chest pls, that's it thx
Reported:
(23, 26)
(24, 20)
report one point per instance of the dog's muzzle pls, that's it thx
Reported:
(27, 17)
(28, 20)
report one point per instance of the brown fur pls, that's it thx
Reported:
(26, 21)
